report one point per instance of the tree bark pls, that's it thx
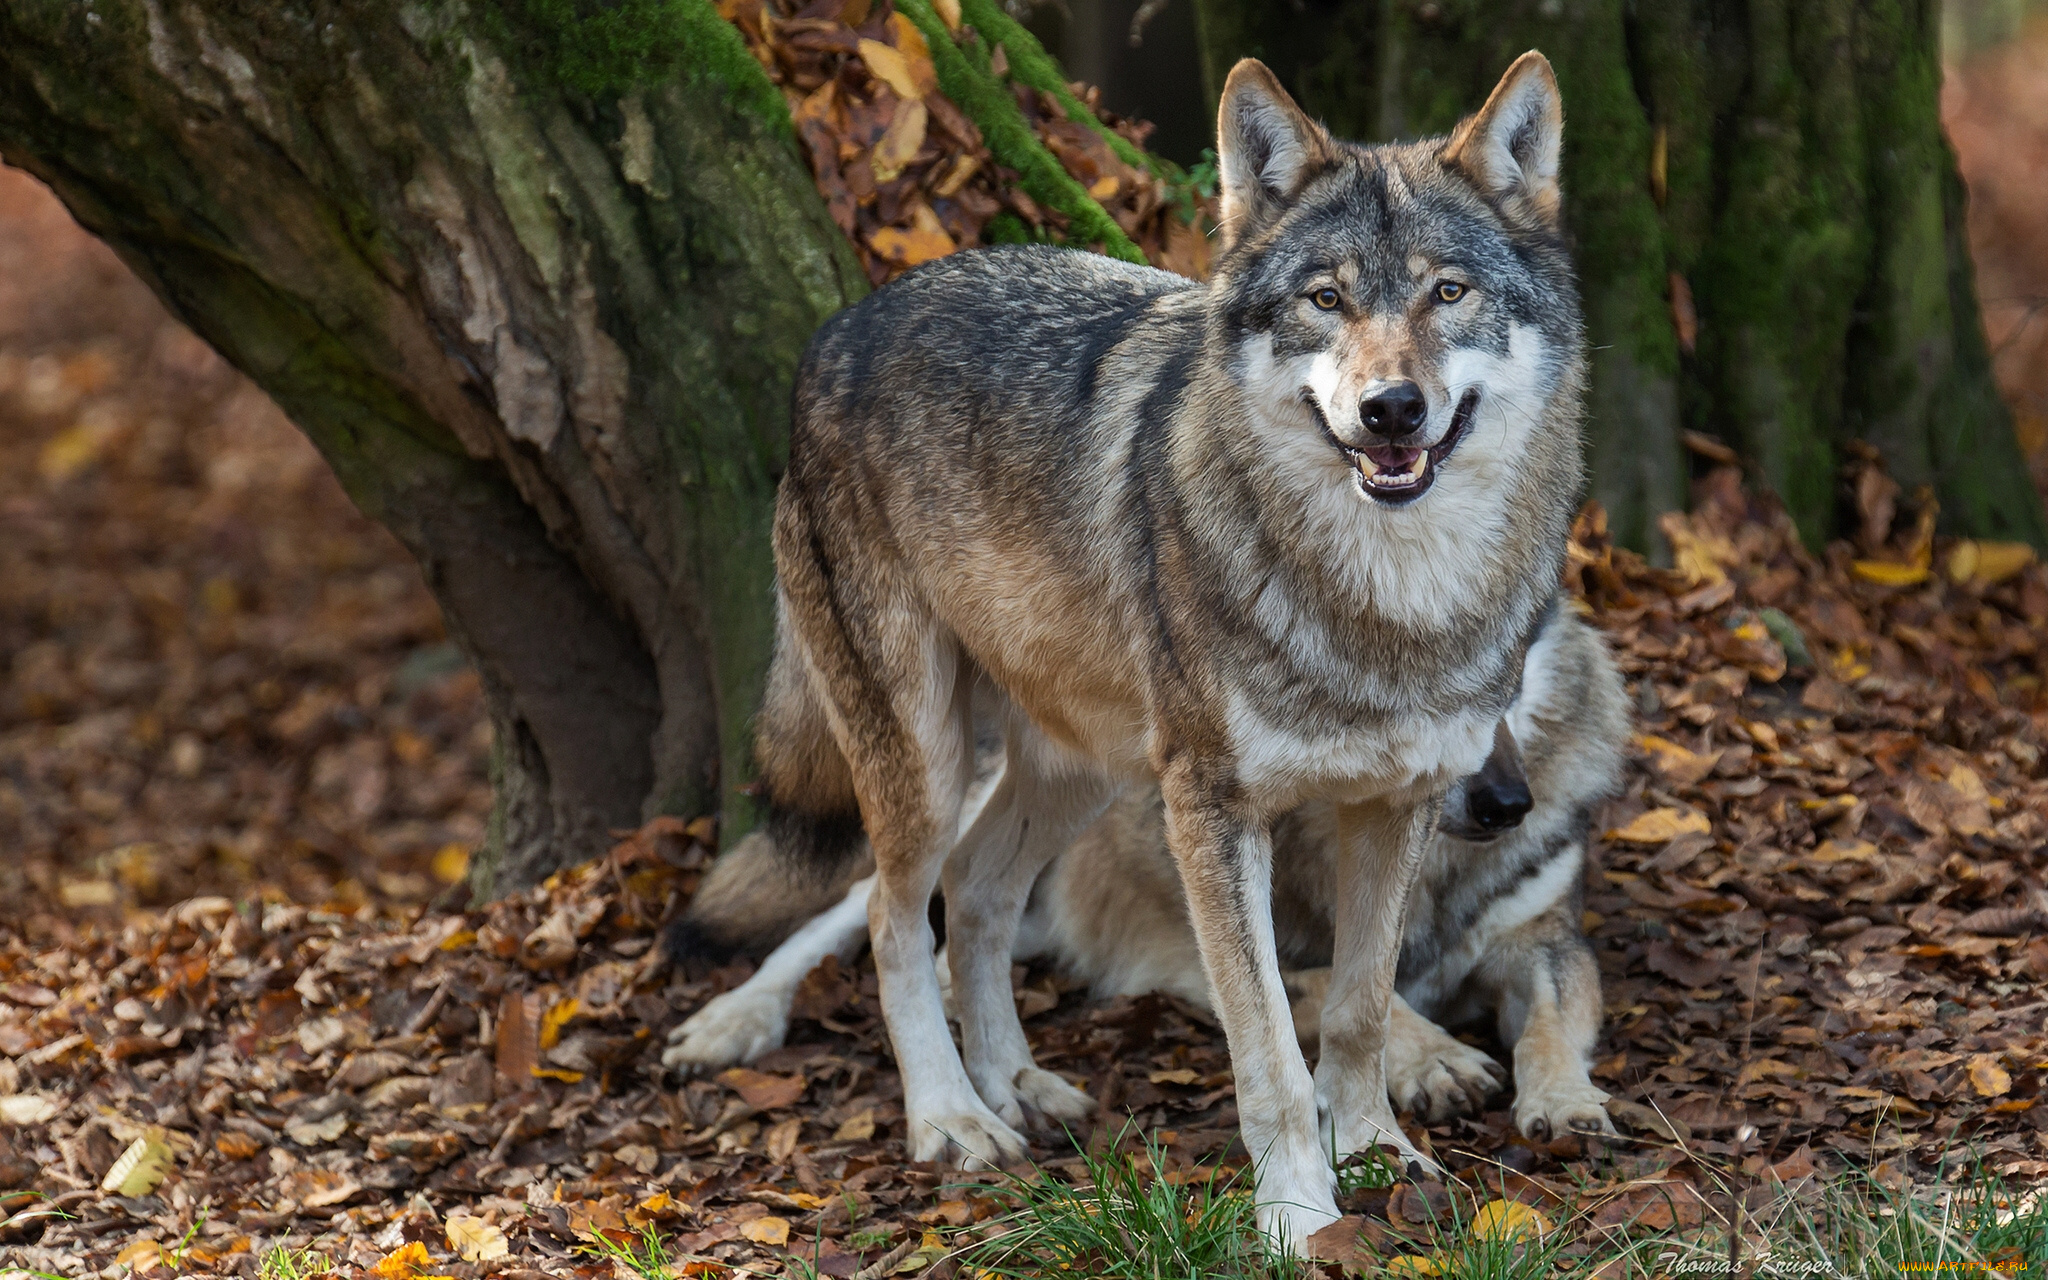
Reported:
(535, 279)
(1778, 165)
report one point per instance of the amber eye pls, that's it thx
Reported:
(1450, 291)
(1325, 299)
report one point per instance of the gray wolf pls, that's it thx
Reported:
(1279, 537)
(1492, 928)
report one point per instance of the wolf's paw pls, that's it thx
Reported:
(966, 1138)
(738, 1026)
(1051, 1097)
(1434, 1076)
(1555, 1108)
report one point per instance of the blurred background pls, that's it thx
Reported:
(217, 676)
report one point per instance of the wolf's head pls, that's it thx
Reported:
(1402, 318)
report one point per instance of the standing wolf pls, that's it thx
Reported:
(1278, 538)
(1492, 933)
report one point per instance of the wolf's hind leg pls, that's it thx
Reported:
(1029, 820)
(1550, 1012)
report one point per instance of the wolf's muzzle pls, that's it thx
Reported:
(1397, 473)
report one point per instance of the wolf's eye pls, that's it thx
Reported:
(1450, 291)
(1325, 299)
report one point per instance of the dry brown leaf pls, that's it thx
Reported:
(761, 1091)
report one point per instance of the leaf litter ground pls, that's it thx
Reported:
(240, 1012)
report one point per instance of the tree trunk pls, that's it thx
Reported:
(1768, 221)
(534, 277)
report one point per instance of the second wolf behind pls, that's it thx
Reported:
(1492, 933)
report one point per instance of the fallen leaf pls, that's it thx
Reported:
(902, 140)
(856, 1128)
(558, 1015)
(28, 1108)
(1507, 1219)
(476, 1240)
(404, 1263)
(761, 1091)
(1659, 826)
(1988, 1078)
(780, 1139)
(138, 1170)
(1887, 574)
(1413, 1264)
(768, 1230)
(1180, 1075)
(890, 67)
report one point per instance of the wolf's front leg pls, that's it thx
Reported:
(1225, 858)
(1549, 987)
(1382, 847)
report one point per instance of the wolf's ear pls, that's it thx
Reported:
(1510, 149)
(1265, 147)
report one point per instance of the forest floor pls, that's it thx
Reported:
(244, 1017)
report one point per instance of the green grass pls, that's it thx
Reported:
(280, 1263)
(646, 1256)
(1119, 1222)
(1122, 1223)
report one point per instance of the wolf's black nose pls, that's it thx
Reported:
(1395, 410)
(1500, 804)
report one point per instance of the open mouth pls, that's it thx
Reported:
(1399, 474)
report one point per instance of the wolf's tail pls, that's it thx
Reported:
(811, 848)
(751, 900)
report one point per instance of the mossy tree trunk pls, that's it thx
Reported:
(535, 283)
(1777, 164)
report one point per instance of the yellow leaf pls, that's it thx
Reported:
(1967, 784)
(403, 1264)
(1886, 574)
(1506, 1219)
(856, 1128)
(1413, 1264)
(141, 1167)
(917, 55)
(557, 1073)
(475, 1239)
(1997, 561)
(557, 1017)
(1660, 826)
(902, 140)
(1843, 851)
(1105, 186)
(1962, 562)
(767, 1230)
(929, 1251)
(889, 66)
(922, 242)
(72, 451)
(451, 863)
(457, 940)
(949, 13)
(142, 1257)
(1183, 1075)
(1988, 1078)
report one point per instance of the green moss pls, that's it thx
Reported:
(601, 48)
(965, 78)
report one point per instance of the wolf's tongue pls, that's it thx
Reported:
(1386, 457)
